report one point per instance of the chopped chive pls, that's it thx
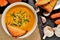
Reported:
(13, 24)
(26, 20)
(20, 23)
(13, 15)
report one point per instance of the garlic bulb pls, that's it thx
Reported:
(57, 31)
(48, 32)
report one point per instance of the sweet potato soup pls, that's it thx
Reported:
(19, 20)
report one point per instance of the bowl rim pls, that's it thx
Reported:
(14, 4)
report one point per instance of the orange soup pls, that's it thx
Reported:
(20, 17)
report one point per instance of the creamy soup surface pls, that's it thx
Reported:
(21, 17)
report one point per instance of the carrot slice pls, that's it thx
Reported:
(15, 31)
(57, 21)
(56, 15)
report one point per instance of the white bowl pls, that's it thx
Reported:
(19, 3)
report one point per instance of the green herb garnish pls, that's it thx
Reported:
(19, 23)
(13, 24)
(26, 20)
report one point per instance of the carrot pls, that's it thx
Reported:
(57, 21)
(57, 15)
(12, 1)
(3, 3)
(15, 31)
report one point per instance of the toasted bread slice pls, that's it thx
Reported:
(42, 2)
(15, 31)
(49, 7)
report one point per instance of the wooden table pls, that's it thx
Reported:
(3, 36)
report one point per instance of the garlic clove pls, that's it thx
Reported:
(46, 14)
(43, 19)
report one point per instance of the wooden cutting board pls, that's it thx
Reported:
(3, 36)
